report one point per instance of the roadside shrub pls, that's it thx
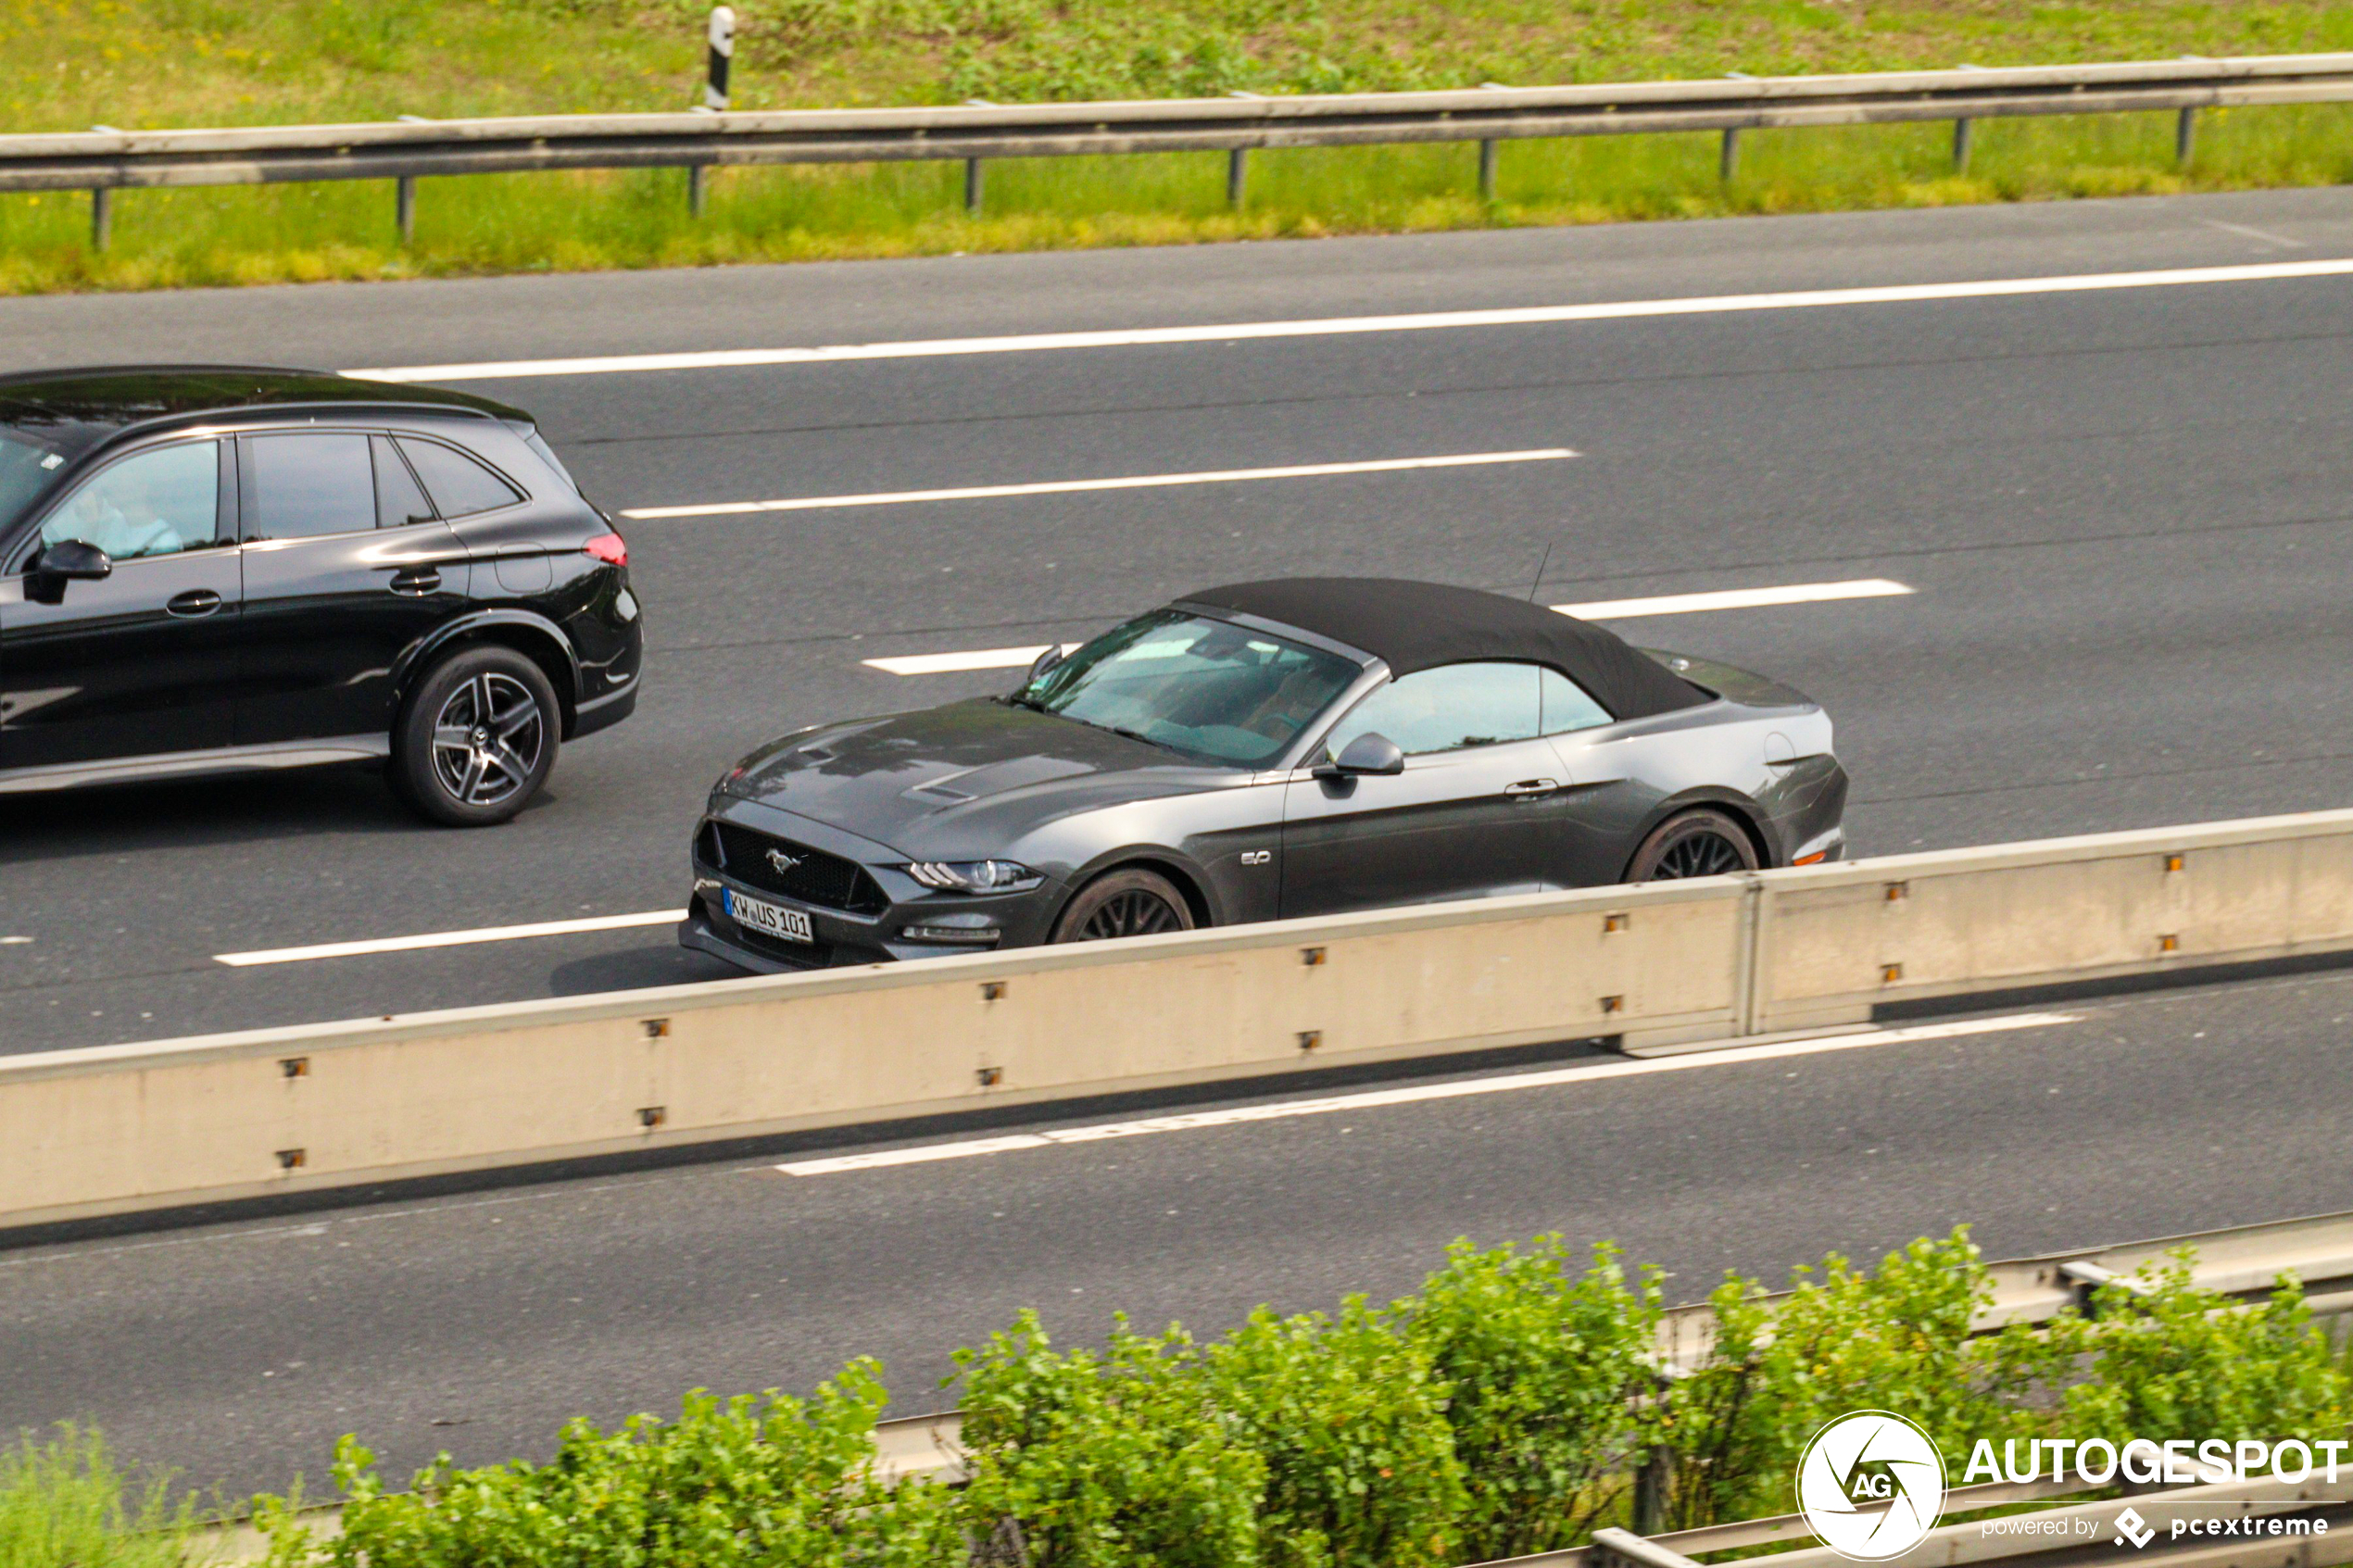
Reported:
(1106, 1459)
(2166, 1358)
(1844, 1340)
(1361, 1470)
(1544, 1367)
(773, 1482)
(66, 1503)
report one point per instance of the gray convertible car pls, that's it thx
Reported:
(1302, 746)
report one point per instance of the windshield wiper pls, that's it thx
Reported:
(1020, 700)
(1139, 735)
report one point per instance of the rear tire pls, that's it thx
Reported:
(1695, 844)
(477, 738)
(1133, 902)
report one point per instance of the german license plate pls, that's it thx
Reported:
(768, 919)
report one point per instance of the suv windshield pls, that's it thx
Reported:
(27, 468)
(1207, 688)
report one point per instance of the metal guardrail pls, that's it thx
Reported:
(2245, 1261)
(104, 160)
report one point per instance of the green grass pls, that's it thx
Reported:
(142, 63)
(66, 1504)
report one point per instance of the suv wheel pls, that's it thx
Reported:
(477, 738)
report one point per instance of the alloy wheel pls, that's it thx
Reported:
(1132, 913)
(487, 739)
(1700, 854)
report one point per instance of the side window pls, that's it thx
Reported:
(1568, 708)
(158, 502)
(459, 485)
(398, 501)
(1447, 709)
(306, 485)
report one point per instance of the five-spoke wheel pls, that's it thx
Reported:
(477, 737)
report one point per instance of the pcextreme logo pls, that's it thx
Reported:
(1870, 1484)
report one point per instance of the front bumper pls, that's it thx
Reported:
(840, 936)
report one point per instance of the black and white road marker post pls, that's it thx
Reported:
(714, 94)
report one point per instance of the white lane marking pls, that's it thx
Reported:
(451, 938)
(1735, 599)
(2263, 234)
(1459, 1089)
(14, 941)
(1600, 610)
(1126, 482)
(1334, 326)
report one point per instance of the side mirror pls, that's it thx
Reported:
(1369, 753)
(70, 560)
(1045, 661)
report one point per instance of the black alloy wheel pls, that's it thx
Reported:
(478, 738)
(1133, 902)
(1695, 844)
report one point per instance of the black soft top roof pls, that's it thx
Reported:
(1412, 626)
(76, 408)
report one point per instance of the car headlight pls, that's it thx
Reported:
(975, 876)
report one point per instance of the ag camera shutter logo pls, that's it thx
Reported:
(1871, 1486)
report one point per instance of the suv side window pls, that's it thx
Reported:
(398, 500)
(460, 485)
(309, 485)
(157, 502)
(1447, 709)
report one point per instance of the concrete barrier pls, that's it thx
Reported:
(116, 1128)
(89, 1133)
(1834, 942)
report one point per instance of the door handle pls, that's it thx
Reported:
(1532, 789)
(416, 581)
(194, 603)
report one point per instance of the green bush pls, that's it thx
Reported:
(1544, 1365)
(1114, 1458)
(772, 1482)
(1504, 1409)
(64, 1504)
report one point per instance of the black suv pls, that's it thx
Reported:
(211, 569)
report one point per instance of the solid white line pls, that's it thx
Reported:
(1707, 305)
(1600, 610)
(1128, 481)
(1375, 1099)
(1735, 599)
(451, 938)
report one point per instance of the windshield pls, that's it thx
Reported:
(27, 468)
(1207, 688)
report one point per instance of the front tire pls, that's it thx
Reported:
(1695, 844)
(477, 738)
(1132, 902)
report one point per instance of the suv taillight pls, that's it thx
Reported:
(610, 548)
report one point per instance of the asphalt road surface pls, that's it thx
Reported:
(2121, 514)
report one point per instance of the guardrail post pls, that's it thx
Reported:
(1962, 145)
(1236, 176)
(2184, 136)
(404, 208)
(697, 189)
(723, 56)
(101, 218)
(1728, 162)
(972, 186)
(1487, 171)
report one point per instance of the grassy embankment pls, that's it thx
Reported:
(149, 63)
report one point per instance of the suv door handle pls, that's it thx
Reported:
(194, 603)
(1532, 789)
(416, 581)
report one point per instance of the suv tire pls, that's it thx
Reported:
(477, 738)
